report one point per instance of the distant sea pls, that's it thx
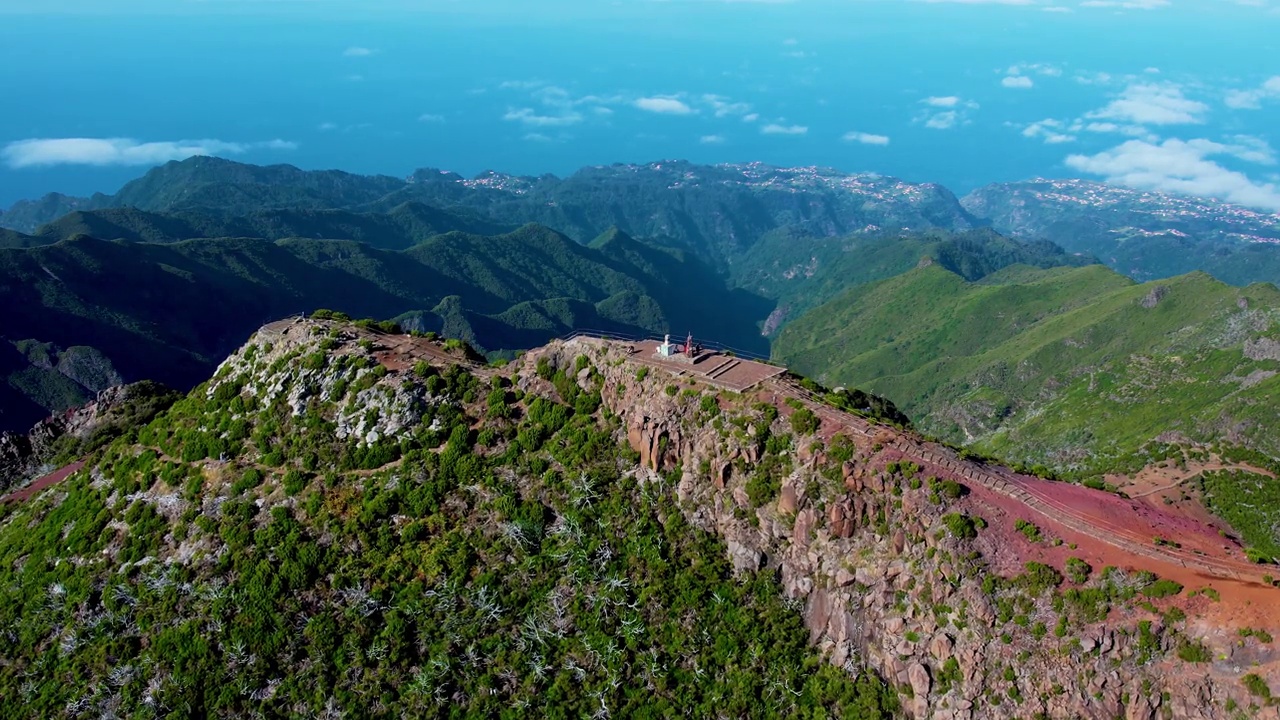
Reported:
(531, 88)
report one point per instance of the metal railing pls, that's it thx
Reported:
(706, 345)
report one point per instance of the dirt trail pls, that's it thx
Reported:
(1155, 479)
(43, 483)
(1126, 525)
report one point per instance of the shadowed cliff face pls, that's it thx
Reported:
(893, 569)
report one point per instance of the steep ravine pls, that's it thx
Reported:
(864, 546)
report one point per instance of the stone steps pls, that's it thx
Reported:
(722, 369)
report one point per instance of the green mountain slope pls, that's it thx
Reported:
(415, 543)
(1143, 234)
(717, 212)
(15, 239)
(1072, 367)
(803, 272)
(168, 312)
(401, 227)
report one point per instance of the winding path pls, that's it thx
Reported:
(1033, 493)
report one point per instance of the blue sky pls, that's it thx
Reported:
(1180, 95)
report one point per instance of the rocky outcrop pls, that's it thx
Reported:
(1153, 298)
(864, 550)
(1262, 349)
(26, 456)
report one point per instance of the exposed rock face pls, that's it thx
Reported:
(883, 584)
(24, 457)
(1262, 349)
(372, 411)
(1154, 297)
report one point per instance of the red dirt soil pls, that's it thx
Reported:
(1105, 528)
(47, 481)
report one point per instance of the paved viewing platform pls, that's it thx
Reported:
(715, 368)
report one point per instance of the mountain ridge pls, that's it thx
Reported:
(713, 210)
(1075, 368)
(401, 504)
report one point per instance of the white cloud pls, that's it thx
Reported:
(711, 139)
(529, 116)
(358, 52)
(560, 108)
(943, 120)
(1252, 99)
(982, 2)
(430, 118)
(520, 84)
(1182, 167)
(327, 126)
(723, 107)
(1126, 4)
(865, 138)
(751, 117)
(665, 105)
(776, 129)
(956, 114)
(1099, 78)
(1053, 132)
(122, 151)
(1251, 149)
(1034, 69)
(1018, 82)
(1153, 104)
(1136, 131)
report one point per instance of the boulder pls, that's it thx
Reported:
(803, 527)
(844, 578)
(866, 576)
(840, 520)
(723, 475)
(744, 559)
(788, 502)
(940, 647)
(918, 676)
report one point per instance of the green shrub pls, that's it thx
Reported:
(1078, 570)
(1030, 530)
(1192, 651)
(1262, 636)
(294, 482)
(1039, 577)
(323, 314)
(1161, 588)
(1256, 686)
(1254, 555)
(804, 422)
(762, 487)
(251, 478)
(709, 406)
(960, 526)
